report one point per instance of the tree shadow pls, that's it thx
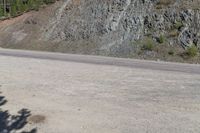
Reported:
(12, 123)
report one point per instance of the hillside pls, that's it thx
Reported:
(148, 29)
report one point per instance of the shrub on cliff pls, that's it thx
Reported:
(192, 51)
(161, 39)
(178, 25)
(148, 44)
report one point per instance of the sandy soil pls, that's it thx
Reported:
(88, 98)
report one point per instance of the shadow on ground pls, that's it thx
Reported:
(12, 123)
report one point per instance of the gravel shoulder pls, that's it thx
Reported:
(80, 97)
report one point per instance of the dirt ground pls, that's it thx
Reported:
(69, 97)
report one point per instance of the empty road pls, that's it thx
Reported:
(91, 94)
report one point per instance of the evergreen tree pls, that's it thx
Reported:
(19, 6)
(1, 12)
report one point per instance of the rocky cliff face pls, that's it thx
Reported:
(112, 27)
(110, 24)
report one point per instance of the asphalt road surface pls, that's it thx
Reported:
(91, 94)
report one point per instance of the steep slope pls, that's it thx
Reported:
(108, 27)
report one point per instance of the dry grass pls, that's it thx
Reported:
(165, 2)
(173, 33)
(185, 4)
(190, 4)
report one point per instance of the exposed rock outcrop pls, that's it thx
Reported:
(110, 27)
